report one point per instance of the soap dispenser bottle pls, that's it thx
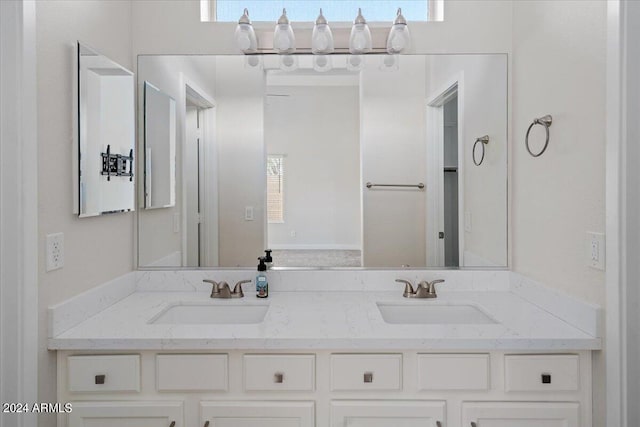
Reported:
(267, 258)
(262, 285)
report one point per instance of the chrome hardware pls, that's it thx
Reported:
(237, 289)
(545, 121)
(419, 185)
(100, 379)
(408, 288)
(484, 140)
(173, 424)
(423, 290)
(368, 377)
(473, 424)
(222, 290)
(206, 424)
(278, 378)
(438, 424)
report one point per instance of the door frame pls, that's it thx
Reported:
(622, 344)
(209, 253)
(18, 210)
(435, 165)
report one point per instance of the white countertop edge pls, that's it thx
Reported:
(427, 345)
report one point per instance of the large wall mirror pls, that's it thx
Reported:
(105, 135)
(372, 161)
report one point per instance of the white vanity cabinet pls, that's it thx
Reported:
(257, 414)
(521, 414)
(325, 389)
(401, 413)
(126, 414)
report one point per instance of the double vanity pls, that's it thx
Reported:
(327, 348)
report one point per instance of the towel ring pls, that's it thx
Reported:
(545, 121)
(484, 140)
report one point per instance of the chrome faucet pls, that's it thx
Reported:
(222, 290)
(424, 290)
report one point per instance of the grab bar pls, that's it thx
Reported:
(418, 185)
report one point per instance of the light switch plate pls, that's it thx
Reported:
(595, 250)
(55, 251)
(248, 213)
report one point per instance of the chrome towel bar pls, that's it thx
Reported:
(418, 185)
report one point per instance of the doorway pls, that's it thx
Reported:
(200, 184)
(445, 173)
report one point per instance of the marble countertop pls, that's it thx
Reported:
(325, 320)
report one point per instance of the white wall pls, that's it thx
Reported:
(241, 161)
(393, 144)
(155, 226)
(317, 129)
(96, 249)
(559, 69)
(482, 98)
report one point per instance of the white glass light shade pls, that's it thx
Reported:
(399, 38)
(360, 39)
(245, 36)
(354, 62)
(284, 41)
(288, 62)
(321, 37)
(322, 63)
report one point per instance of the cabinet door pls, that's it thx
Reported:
(520, 414)
(413, 413)
(126, 414)
(257, 414)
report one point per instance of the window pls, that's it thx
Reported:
(333, 10)
(275, 188)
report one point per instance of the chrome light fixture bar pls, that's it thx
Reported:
(322, 41)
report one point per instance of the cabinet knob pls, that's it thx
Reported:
(173, 424)
(278, 377)
(100, 379)
(368, 377)
(206, 424)
(438, 424)
(473, 424)
(546, 378)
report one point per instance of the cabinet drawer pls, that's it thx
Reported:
(541, 372)
(366, 372)
(192, 372)
(279, 372)
(104, 373)
(453, 372)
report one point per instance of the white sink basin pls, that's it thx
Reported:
(204, 314)
(433, 314)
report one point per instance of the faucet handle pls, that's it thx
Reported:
(237, 289)
(432, 285)
(215, 289)
(408, 288)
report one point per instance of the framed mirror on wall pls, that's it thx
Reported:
(357, 164)
(105, 180)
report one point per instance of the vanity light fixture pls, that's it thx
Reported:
(322, 63)
(360, 39)
(354, 62)
(288, 62)
(284, 41)
(321, 38)
(399, 39)
(245, 35)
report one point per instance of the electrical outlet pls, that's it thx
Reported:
(176, 222)
(248, 213)
(55, 251)
(467, 222)
(595, 250)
